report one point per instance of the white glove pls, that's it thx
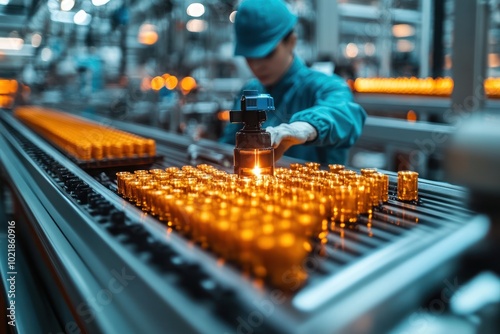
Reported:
(286, 135)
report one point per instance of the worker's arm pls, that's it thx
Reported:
(337, 119)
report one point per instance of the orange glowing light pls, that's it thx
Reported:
(287, 240)
(223, 115)
(8, 86)
(307, 246)
(13, 86)
(147, 34)
(416, 86)
(171, 82)
(256, 171)
(188, 84)
(157, 83)
(411, 116)
(6, 101)
(492, 87)
(148, 38)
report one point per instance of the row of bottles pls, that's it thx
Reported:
(83, 139)
(265, 223)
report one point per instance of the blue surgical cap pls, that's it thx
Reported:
(260, 25)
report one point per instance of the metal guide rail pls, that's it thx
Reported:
(389, 259)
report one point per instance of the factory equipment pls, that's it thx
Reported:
(87, 143)
(253, 152)
(473, 161)
(108, 266)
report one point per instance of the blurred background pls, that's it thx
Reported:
(416, 66)
(164, 69)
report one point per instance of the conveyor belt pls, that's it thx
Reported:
(387, 257)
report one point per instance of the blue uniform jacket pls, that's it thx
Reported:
(324, 101)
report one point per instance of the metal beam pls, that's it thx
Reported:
(437, 39)
(425, 43)
(327, 28)
(469, 54)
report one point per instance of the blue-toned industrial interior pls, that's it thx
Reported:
(249, 166)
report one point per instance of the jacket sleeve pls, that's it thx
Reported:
(337, 118)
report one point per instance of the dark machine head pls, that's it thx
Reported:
(253, 110)
(253, 153)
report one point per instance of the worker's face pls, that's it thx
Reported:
(273, 66)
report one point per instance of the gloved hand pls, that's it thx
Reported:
(286, 135)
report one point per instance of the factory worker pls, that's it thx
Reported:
(315, 117)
